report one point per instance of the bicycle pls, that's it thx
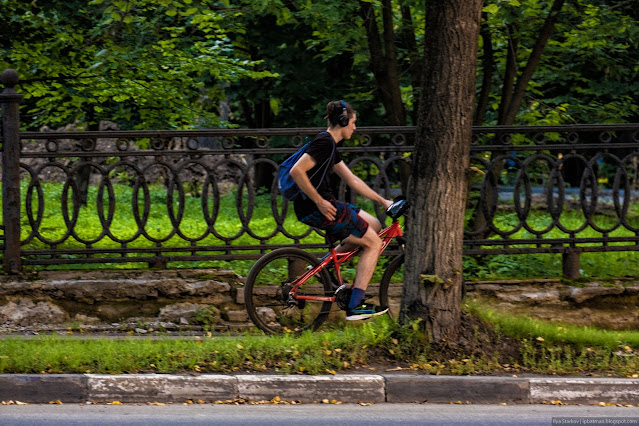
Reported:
(291, 290)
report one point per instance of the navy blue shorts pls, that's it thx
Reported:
(347, 222)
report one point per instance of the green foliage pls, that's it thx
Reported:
(588, 71)
(144, 64)
(168, 64)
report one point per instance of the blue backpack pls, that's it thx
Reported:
(288, 187)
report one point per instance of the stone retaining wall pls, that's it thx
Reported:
(142, 301)
(210, 300)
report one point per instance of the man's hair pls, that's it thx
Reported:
(335, 109)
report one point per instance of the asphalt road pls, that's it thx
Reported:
(316, 414)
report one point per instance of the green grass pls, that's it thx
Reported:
(555, 348)
(310, 353)
(553, 333)
(374, 346)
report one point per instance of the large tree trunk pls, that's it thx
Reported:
(433, 277)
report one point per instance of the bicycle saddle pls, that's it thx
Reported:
(397, 209)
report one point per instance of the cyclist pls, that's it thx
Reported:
(319, 207)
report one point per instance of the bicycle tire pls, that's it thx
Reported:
(391, 277)
(266, 292)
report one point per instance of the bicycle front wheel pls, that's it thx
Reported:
(267, 288)
(392, 285)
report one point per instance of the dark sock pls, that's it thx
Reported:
(356, 298)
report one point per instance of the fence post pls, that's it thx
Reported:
(570, 264)
(10, 101)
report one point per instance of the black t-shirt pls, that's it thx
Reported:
(320, 149)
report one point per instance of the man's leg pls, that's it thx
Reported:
(371, 246)
(348, 244)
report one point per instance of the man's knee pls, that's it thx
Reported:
(371, 239)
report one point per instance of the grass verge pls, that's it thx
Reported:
(490, 343)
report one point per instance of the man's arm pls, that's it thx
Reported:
(298, 173)
(359, 185)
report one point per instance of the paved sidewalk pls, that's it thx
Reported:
(394, 388)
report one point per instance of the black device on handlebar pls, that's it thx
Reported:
(398, 208)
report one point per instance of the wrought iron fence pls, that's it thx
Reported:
(155, 197)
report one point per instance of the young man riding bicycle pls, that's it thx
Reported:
(341, 221)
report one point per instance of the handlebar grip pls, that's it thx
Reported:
(397, 209)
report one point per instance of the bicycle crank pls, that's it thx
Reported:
(343, 296)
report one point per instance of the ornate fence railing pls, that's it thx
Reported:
(72, 197)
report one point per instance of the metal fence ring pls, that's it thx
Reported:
(505, 139)
(87, 145)
(540, 138)
(193, 144)
(158, 144)
(228, 142)
(263, 142)
(51, 146)
(398, 139)
(605, 137)
(122, 144)
(366, 140)
(635, 136)
(297, 141)
(572, 137)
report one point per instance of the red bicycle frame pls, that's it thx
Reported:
(386, 234)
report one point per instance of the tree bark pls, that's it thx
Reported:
(384, 60)
(433, 269)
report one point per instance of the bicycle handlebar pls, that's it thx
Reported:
(397, 209)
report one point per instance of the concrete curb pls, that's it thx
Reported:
(396, 388)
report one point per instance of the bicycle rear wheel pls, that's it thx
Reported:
(266, 292)
(391, 286)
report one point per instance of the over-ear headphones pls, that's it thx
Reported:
(343, 119)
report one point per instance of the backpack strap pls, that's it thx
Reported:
(326, 166)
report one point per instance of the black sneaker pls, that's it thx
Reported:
(364, 311)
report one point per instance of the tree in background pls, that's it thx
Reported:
(558, 62)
